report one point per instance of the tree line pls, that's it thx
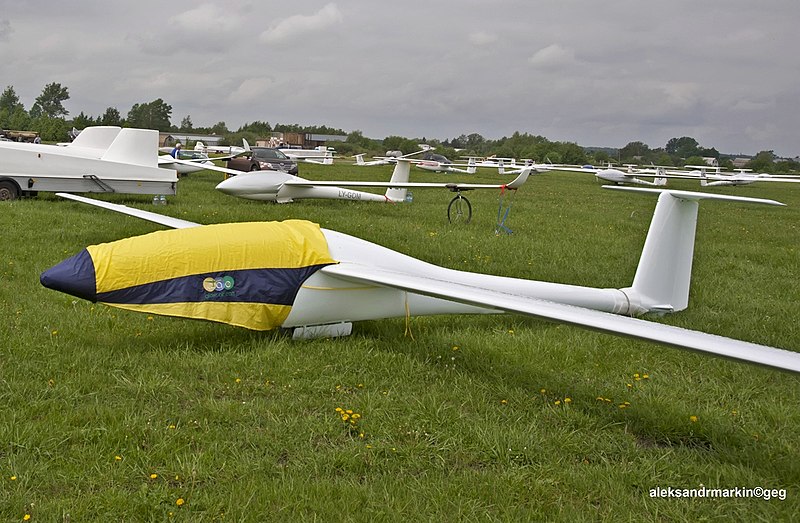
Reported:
(48, 117)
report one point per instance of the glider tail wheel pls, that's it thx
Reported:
(459, 210)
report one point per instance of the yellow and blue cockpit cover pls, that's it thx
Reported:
(243, 274)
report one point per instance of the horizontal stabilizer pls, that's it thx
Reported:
(694, 196)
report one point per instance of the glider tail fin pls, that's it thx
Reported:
(401, 173)
(471, 167)
(663, 276)
(97, 137)
(134, 146)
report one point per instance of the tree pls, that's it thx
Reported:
(634, 151)
(82, 121)
(683, 147)
(764, 161)
(50, 102)
(219, 128)
(111, 117)
(186, 124)
(9, 100)
(258, 127)
(153, 115)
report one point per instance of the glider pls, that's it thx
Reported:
(281, 187)
(296, 275)
(616, 176)
(388, 159)
(740, 177)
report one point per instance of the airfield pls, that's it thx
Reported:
(108, 412)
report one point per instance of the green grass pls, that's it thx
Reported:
(459, 423)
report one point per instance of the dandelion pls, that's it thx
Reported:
(26, 517)
(172, 427)
(54, 333)
(567, 400)
(542, 391)
(693, 418)
(149, 318)
(180, 502)
(629, 385)
(645, 376)
(117, 458)
(557, 402)
(503, 402)
(238, 380)
(13, 478)
(153, 475)
(455, 348)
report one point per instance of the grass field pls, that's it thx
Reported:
(113, 415)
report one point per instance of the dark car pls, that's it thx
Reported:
(263, 158)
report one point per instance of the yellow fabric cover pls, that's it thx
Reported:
(165, 255)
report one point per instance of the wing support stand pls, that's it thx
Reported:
(459, 209)
(503, 216)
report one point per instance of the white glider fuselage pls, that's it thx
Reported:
(620, 177)
(275, 186)
(326, 298)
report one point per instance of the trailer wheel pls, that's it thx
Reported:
(8, 190)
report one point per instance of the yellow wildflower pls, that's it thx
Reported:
(153, 475)
(693, 418)
(179, 501)
(567, 400)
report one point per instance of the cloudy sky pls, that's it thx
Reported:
(726, 72)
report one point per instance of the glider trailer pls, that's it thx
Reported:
(102, 159)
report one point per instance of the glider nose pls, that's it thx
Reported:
(75, 276)
(227, 186)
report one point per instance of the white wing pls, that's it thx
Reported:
(514, 184)
(168, 221)
(591, 319)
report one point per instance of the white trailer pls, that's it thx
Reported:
(100, 160)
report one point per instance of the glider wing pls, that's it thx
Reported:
(168, 221)
(587, 318)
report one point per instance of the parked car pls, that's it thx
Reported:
(263, 158)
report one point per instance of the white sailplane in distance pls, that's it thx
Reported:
(280, 187)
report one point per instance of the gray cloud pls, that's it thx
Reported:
(595, 73)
